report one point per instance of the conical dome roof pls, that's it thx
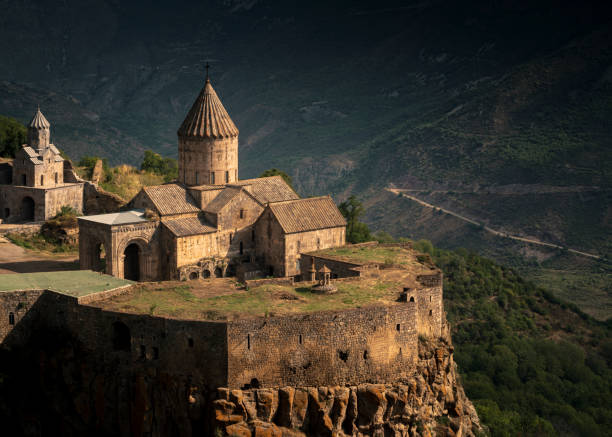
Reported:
(207, 118)
(39, 121)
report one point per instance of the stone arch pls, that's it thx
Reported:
(27, 208)
(193, 275)
(143, 253)
(218, 272)
(122, 339)
(205, 273)
(131, 262)
(411, 298)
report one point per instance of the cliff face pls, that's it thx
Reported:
(431, 403)
(56, 386)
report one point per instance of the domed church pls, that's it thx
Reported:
(209, 223)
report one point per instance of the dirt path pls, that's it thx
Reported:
(16, 259)
(488, 229)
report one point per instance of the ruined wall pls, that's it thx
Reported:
(67, 195)
(13, 208)
(308, 241)
(340, 269)
(208, 160)
(325, 348)
(430, 310)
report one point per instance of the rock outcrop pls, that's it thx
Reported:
(431, 403)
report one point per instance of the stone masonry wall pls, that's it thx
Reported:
(307, 242)
(17, 304)
(199, 158)
(340, 269)
(67, 195)
(326, 348)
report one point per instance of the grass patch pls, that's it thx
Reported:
(41, 243)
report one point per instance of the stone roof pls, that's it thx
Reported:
(222, 199)
(117, 218)
(171, 199)
(188, 226)
(303, 215)
(32, 154)
(39, 121)
(269, 189)
(207, 118)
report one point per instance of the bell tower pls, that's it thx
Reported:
(38, 131)
(207, 142)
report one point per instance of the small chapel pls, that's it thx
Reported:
(210, 223)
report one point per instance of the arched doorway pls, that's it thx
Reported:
(27, 208)
(131, 262)
(99, 258)
(218, 272)
(122, 340)
(206, 273)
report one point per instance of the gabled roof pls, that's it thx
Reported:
(39, 121)
(117, 218)
(171, 199)
(207, 118)
(269, 189)
(32, 154)
(222, 199)
(184, 227)
(303, 215)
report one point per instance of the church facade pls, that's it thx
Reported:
(209, 223)
(32, 187)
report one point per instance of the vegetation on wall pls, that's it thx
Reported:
(12, 136)
(531, 364)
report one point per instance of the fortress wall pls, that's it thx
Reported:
(68, 195)
(11, 198)
(19, 303)
(193, 349)
(356, 346)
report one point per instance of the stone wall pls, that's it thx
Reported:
(68, 195)
(299, 243)
(324, 348)
(340, 269)
(14, 307)
(12, 203)
(270, 244)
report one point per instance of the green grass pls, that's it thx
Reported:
(40, 242)
(75, 283)
(265, 300)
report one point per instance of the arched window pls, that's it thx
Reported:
(122, 340)
(11, 319)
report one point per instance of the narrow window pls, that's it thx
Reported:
(430, 312)
(23, 179)
(249, 341)
(155, 353)
(56, 178)
(226, 177)
(300, 340)
(397, 327)
(253, 234)
(143, 351)
(190, 342)
(11, 319)
(241, 248)
(411, 298)
(231, 237)
(430, 298)
(212, 178)
(242, 213)
(7, 212)
(365, 355)
(299, 246)
(318, 243)
(42, 180)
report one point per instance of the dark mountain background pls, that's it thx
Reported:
(499, 110)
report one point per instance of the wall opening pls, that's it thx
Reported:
(300, 339)
(27, 208)
(155, 353)
(398, 327)
(411, 298)
(131, 262)
(241, 248)
(343, 355)
(99, 258)
(11, 319)
(190, 342)
(252, 234)
(24, 179)
(193, 276)
(430, 298)
(242, 213)
(143, 351)
(212, 178)
(249, 341)
(226, 177)
(7, 212)
(122, 340)
(365, 355)
(56, 178)
(206, 273)
(42, 180)
(218, 272)
(431, 312)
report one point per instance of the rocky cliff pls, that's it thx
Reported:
(431, 403)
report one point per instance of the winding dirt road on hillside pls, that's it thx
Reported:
(16, 259)
(486, 228)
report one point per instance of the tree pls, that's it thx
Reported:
(155, 163)
(356, 231)
(12, 136)
(276, 172)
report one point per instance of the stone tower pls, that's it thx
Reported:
(38, 131)
(208, 142)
